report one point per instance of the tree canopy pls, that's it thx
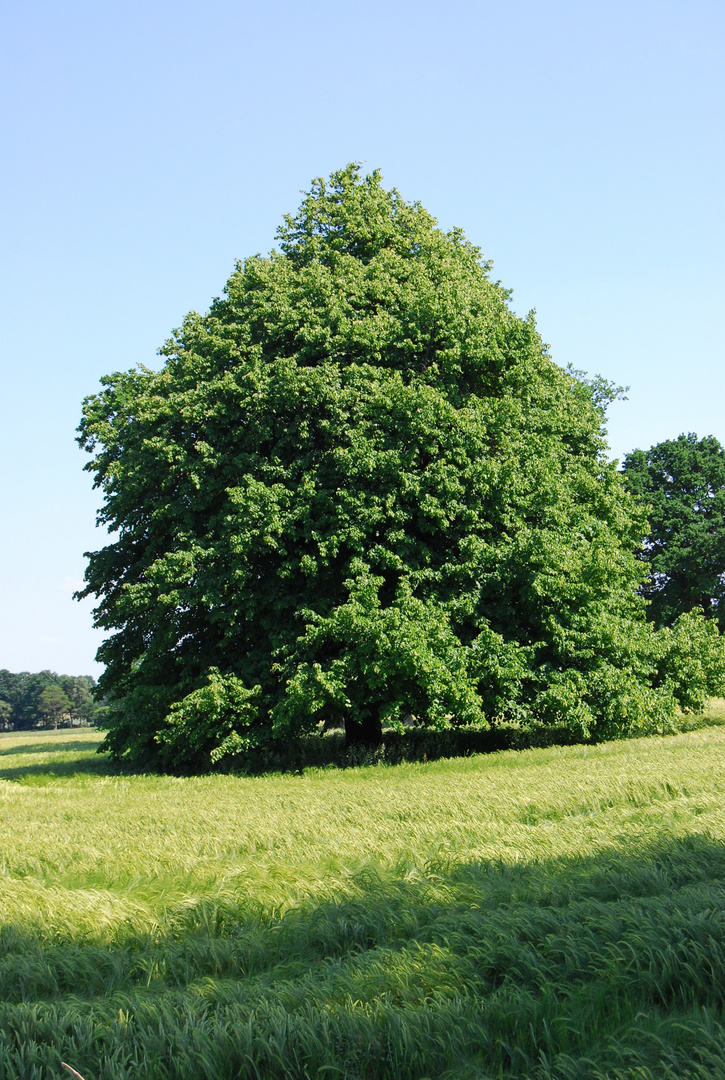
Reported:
(360, 490)
(683, 483)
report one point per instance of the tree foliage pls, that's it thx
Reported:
(682, 481)
(359, 490)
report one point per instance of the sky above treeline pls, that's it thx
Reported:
(146, 146)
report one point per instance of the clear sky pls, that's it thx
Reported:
(146, 145)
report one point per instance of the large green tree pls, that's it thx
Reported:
(682, 481)
(360, 489)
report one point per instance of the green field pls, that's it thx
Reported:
(546, 913)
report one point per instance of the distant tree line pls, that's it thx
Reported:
(44, 699)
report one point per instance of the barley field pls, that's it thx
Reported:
(541, 914)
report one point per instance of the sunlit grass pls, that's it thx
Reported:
(547, 913)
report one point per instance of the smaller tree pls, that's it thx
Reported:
(54, 704)
(6, 713)
(683, 482)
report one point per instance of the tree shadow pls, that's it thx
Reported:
(59, 744)
(83, 765)
(414, 745)
(610, 966)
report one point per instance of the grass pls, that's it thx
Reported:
(551, 914)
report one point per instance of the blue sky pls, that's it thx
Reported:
(148, 145)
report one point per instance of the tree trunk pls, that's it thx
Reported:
(363, 730)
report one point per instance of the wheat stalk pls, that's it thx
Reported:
(72, 1071)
